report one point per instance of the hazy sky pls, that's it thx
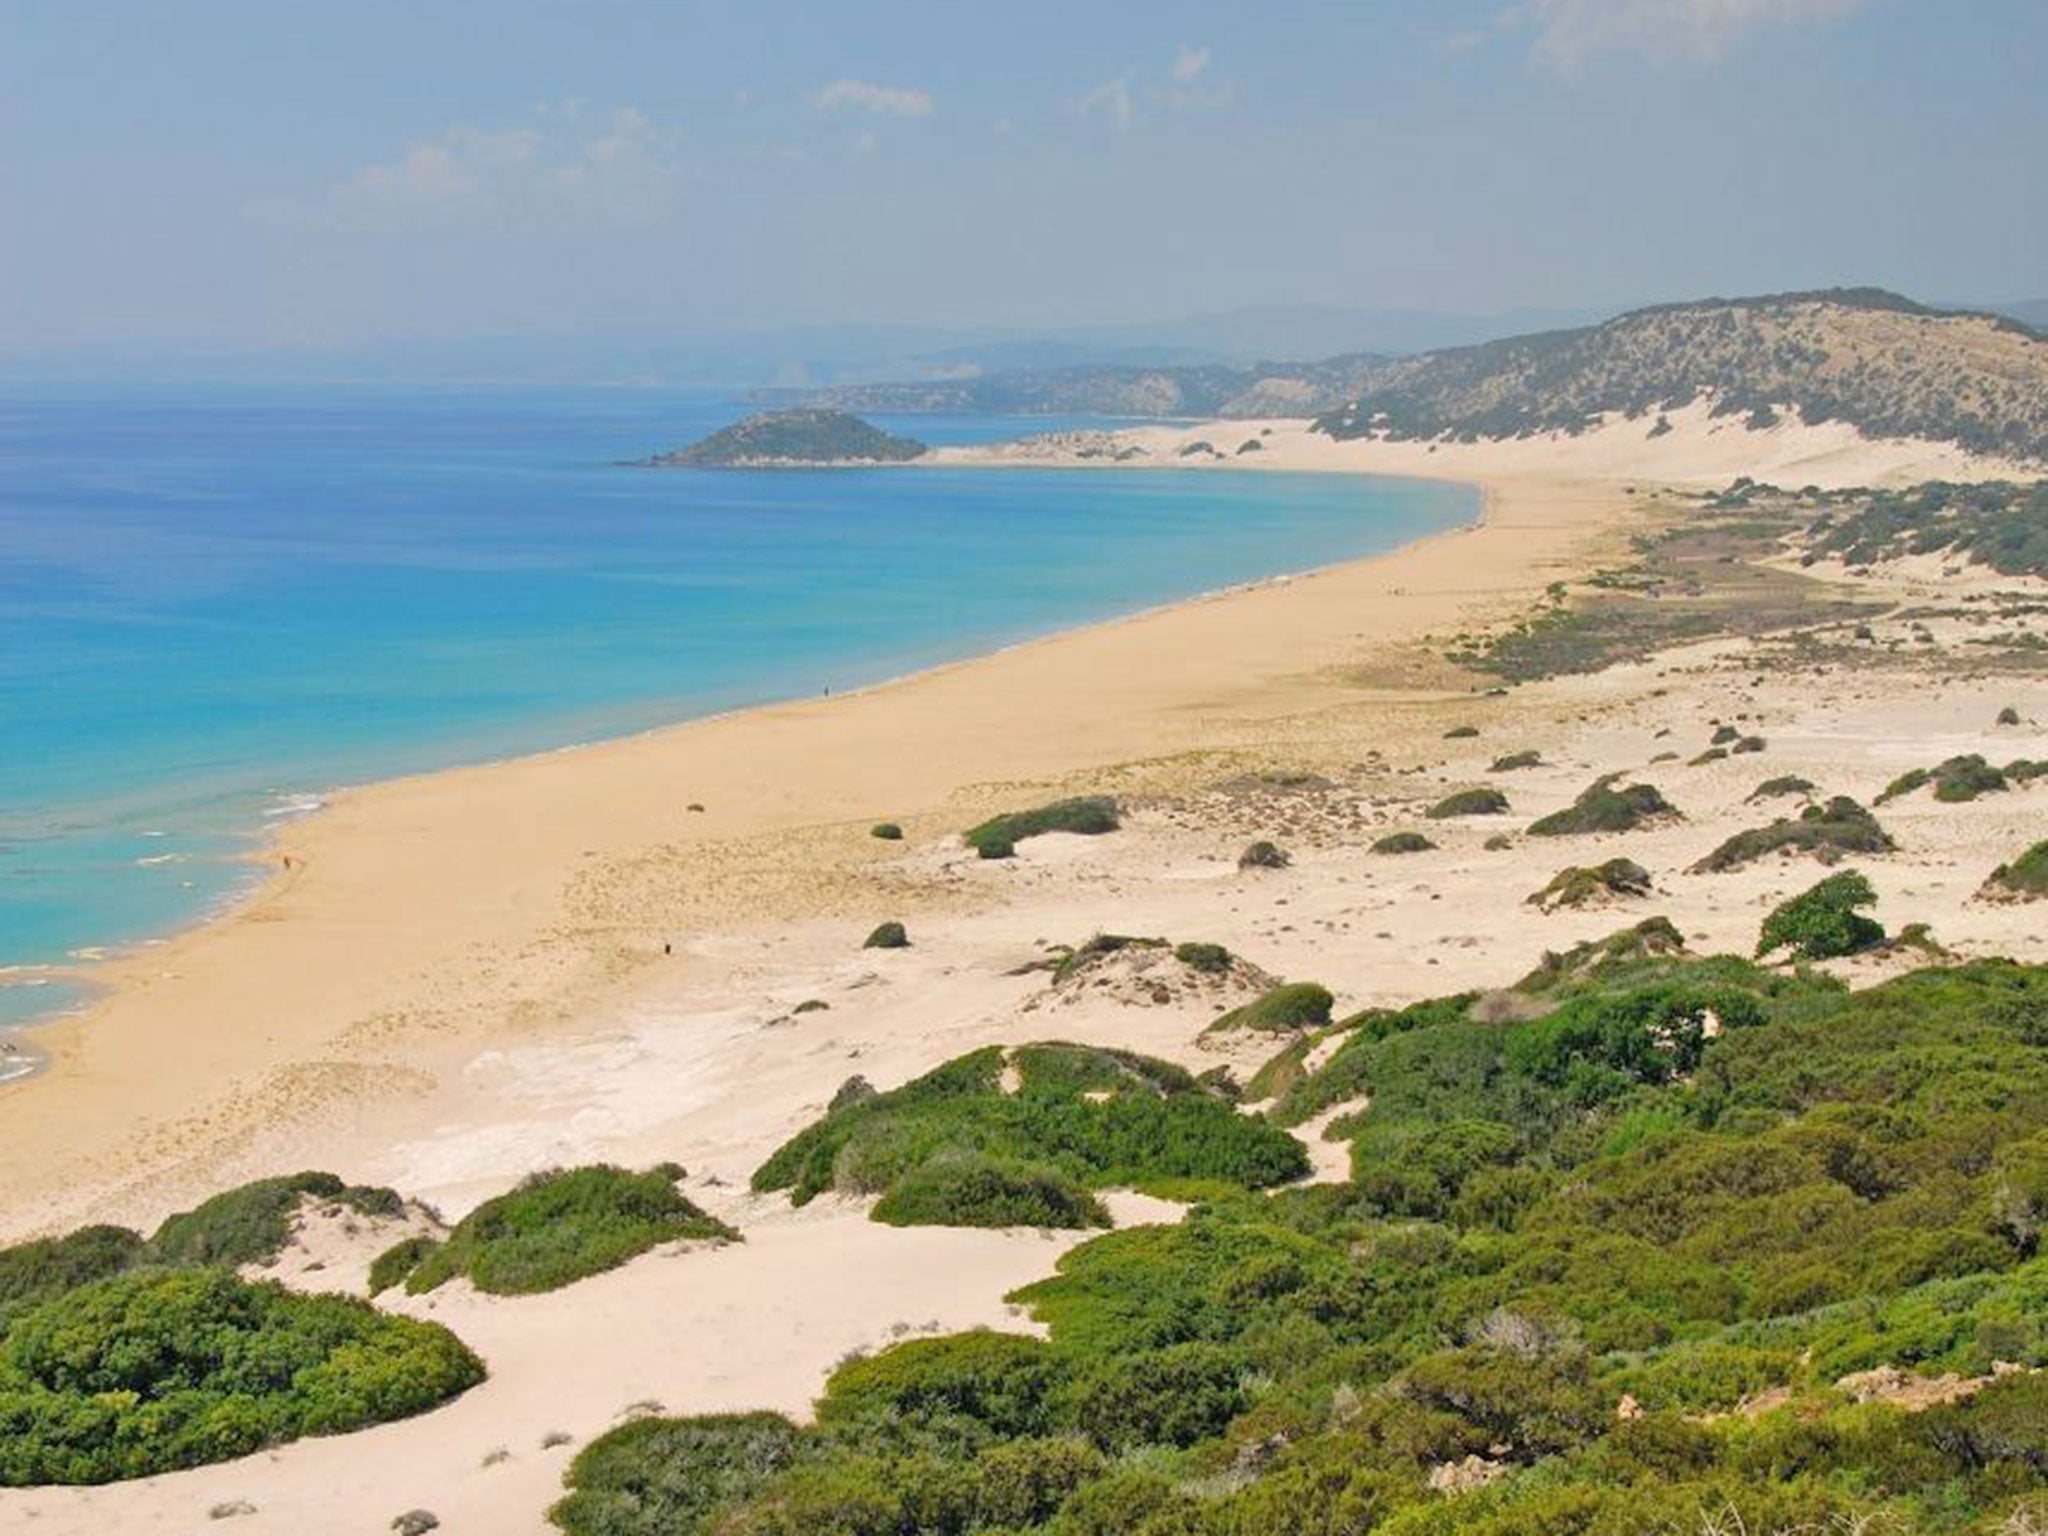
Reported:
(261, 172)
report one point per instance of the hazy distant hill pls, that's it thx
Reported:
(1208, 389)
(1890, 367)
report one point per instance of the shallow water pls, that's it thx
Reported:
(214, 605)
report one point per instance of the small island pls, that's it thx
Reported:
(804, 438)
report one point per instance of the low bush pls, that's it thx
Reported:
(1514, 761)
(962, 1188)
(1824, 922)
(1461, 733)
(1603, 807)
(1294, 1005)
(889, 935)
(1264, 855)
(673, 1477)
(1777, 788)
(155, 1370)
(251, 1224)
(2025, 877)
(49, 1266)
(1580, 885)
(1484, 801)
(887, 831)
(562, 1225)
(956, 1141)
(1828, 832)
(1955, 780)
(1089, 815)
(392, 1266)
(1210, 959)
(1402, 842)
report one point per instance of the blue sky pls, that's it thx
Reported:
(254, 173)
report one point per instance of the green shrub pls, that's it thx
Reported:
(889, 935)
(1823, 922)
(562, 1225)
(960, 1188)
(1461, 733)
(1828, 832)
(2026, 876)
(940, 1146)
(1210, 959)
(1955, 780)
(1403, 842)
(49, 1266)
(1174, 1396)
(1294, 1005)
(1514, 761)
(1784, 784)
(1579, 884)
(1089, 815)
(967, 1385)
(673, 1477)
(1095, 947)
(251, 1225)
(1264, 855)
(398, 1261)
(1484, 801)
(160, 1369)
(887, 831)
(1602, 807)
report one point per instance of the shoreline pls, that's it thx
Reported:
(135, 1053)
(86, 973)
(422, 919)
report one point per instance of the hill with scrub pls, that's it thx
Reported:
(1882, 363)
(793, 438)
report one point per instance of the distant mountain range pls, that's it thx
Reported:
(1885, 364)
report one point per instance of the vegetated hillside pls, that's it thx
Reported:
(1200, 390)
(803, 436)
(1888, 366)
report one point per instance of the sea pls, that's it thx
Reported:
(219, 603)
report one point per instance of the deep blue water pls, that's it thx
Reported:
(215, 604)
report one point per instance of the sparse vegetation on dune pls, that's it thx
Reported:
(889, 935)
(2025, 878)
(1402, 842)
(1575, 1238)
(1514, 761)
(965, 1146)
(1959, 779)
(1295, 1005)
(1088, 815)
(1778, 788)
(2000, 525)
(1483, 801)
(557, 1227)
(251, 1224)
(1604, 807)
(1581, 885)
(1264, 855)
(1828, 832)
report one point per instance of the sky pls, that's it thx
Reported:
(250, 174)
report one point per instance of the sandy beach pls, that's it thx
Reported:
(455, 979)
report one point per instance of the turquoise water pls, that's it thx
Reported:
(213, 606)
